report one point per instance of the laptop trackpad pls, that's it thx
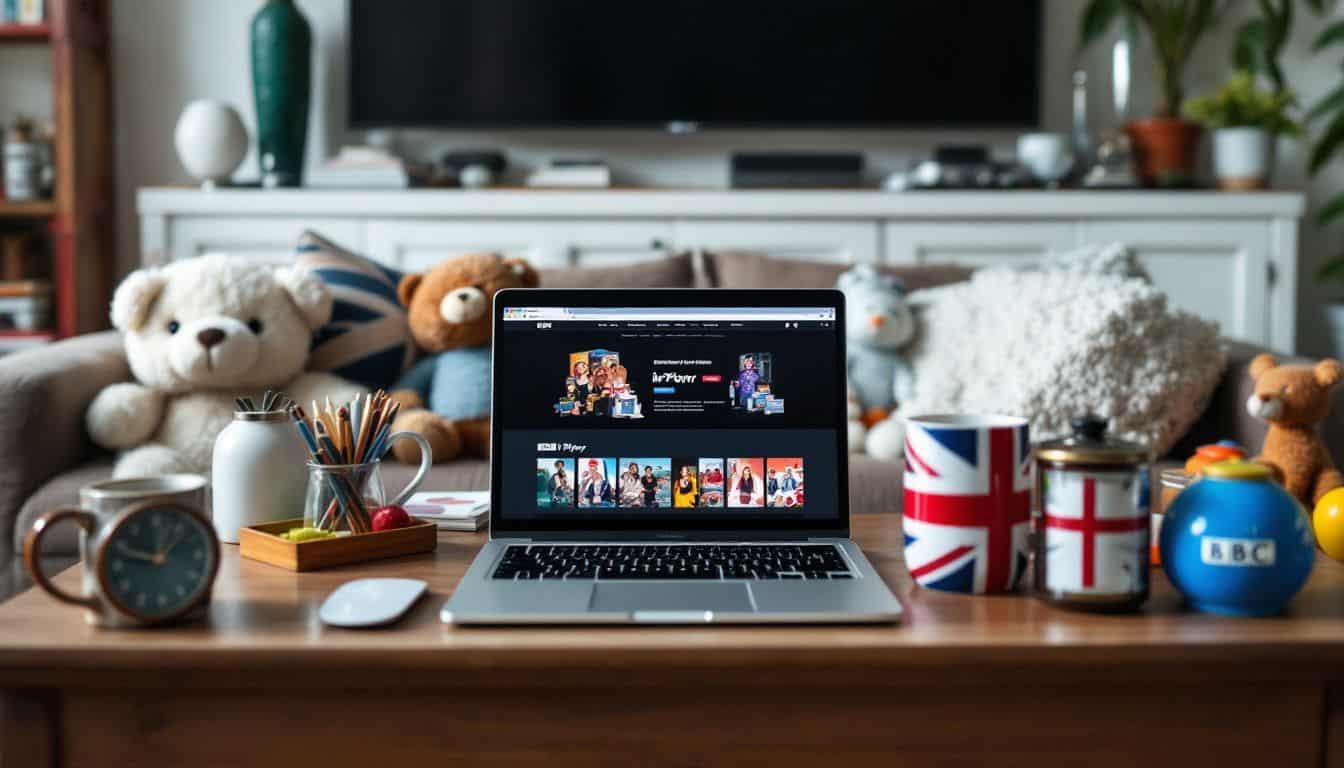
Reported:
(658, 601)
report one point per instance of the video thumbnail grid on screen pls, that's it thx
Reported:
(669, 482)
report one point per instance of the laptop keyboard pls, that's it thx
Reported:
(704, 562)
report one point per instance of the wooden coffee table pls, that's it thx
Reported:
(964, 681)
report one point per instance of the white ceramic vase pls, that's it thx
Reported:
(1243, 158)
(211, 141)
(258, 472)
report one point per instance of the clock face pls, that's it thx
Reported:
(158, 561)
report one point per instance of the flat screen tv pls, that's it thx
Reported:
(713, 63)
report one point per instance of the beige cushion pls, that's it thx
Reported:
(740, 269)
(670, 272)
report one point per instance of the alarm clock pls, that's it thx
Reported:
(152, 563)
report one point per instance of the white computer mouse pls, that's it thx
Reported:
(370, 602)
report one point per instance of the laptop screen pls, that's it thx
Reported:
(693, 415)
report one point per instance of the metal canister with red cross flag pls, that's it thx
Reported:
(1093, 527)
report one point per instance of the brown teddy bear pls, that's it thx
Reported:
(446, 396)
(1294, 399)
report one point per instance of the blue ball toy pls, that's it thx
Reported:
(1236, 543)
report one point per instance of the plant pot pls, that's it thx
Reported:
(1243, 158)
(1165, 150)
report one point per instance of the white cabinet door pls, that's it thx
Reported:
(1216, 269)
(833, 241)
(974, 243)
(256, 239)
(416, 245)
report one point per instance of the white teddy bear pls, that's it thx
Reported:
(878, 325)
(199, 333)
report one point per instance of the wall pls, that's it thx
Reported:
(168, 52)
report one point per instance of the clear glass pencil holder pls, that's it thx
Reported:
(334, 490)
(343, 497)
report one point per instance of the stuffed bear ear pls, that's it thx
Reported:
(524, 272)
(1261, 363)
(309, 294)
(135, 297)
(406, 288)
(1328, 372)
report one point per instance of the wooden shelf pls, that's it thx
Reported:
(27, 210)
(28, 33)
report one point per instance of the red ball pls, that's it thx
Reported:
(388, 518)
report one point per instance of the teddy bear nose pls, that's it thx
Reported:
(464, 296)
(877, 321)
(210, 337)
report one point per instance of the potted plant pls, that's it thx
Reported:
(1165, 145)
(1245, 122)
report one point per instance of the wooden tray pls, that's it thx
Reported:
(262, 542)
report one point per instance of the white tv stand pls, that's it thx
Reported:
(1229, 257)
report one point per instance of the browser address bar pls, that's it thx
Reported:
(668, 314)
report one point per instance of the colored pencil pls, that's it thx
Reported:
(347, 435)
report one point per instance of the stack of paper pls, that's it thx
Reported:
(452, 510)
(361, 168)
(572, 173)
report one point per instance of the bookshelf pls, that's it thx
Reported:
(33, 33)
(77, 223)
(36, 209)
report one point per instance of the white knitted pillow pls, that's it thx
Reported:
(1048, 345)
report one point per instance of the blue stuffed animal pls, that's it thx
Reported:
(878, 325)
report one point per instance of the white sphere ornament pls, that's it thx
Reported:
(211, 141)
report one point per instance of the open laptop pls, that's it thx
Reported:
(669, 456)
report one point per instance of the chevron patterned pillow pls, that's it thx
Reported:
(367, 340)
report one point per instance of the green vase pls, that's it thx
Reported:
(282, 66)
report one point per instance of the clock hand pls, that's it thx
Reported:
(163, 552)
(137, 554)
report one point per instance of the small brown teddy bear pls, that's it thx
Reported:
(1294, 399)
(446, 396)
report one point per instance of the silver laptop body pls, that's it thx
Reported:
(726, 364)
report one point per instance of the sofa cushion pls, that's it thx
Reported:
(875, 486)
(460, 475)
(739, 269)
(367, 339)
(673, 271)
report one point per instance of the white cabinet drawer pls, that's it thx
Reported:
(269, 240)
(974, 243)
(1218, 270)
(418, 245)
(832, 241)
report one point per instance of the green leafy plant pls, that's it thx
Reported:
(1330, 111)
(1175, 27)
(1260, 41)
(1240, 104)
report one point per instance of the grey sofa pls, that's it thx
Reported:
(45, 455)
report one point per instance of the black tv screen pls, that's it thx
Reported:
(769, 63)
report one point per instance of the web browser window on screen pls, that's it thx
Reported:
(697, 414)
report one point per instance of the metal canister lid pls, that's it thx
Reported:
(1089, 444)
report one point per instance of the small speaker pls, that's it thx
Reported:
(796, 170)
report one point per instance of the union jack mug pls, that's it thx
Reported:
(967, 501)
